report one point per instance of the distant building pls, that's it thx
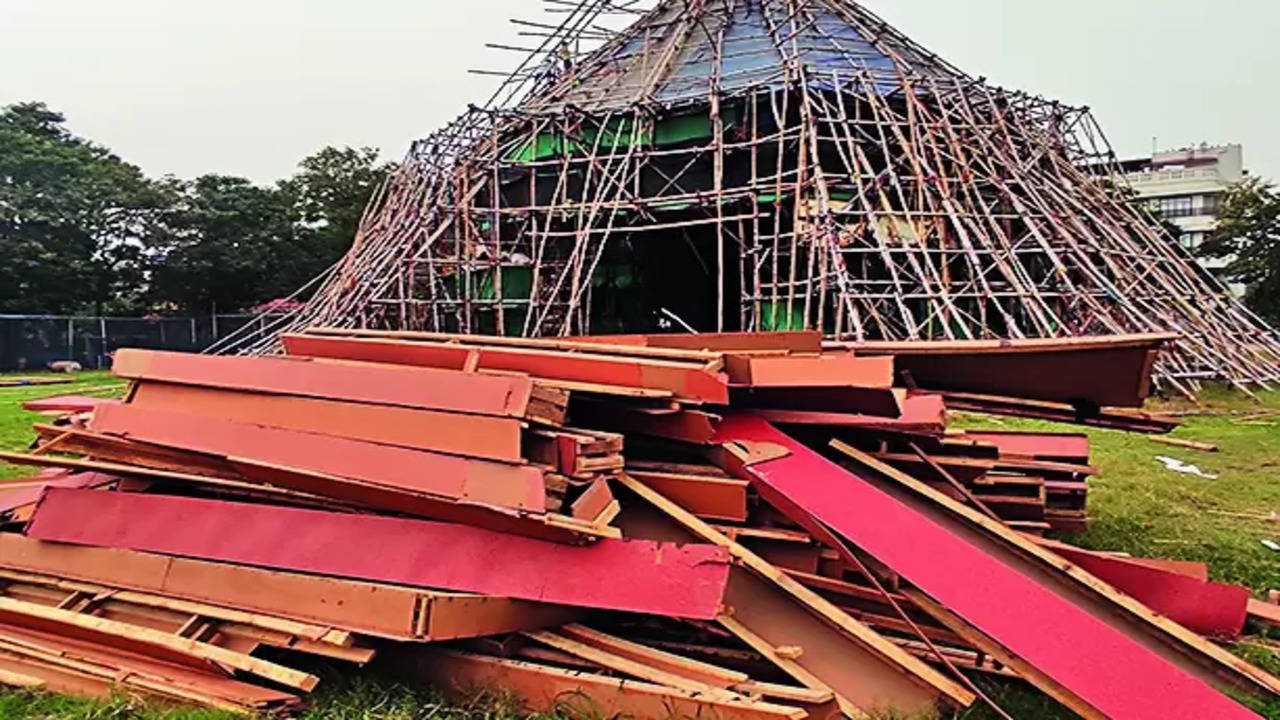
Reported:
(1186, 187)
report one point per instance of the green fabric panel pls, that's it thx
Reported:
(545, 145)
(772, 197)
(517, 282)
(674, 205)
(616, 133)
(773, 316)
(619, 276)
(682, 128)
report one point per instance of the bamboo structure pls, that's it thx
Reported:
(764, 165)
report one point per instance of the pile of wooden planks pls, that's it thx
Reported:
(745, 525)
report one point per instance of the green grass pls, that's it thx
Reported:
(1139, 507)
(351, 697)
(15, 423)
(1135, 506)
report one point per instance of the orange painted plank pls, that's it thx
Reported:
(805, 341)
(835, 369)
(66, 404)
(920, 413)
(480, 436)
(357, 382)
(704, 496)
(1065, 447)
(370, 608)
(483, 481)
(882, 402)
(693, 426)
(540, 688)
(686, 380)
(162, 677)
(1264, 612)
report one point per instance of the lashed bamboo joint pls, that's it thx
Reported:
(772, 165)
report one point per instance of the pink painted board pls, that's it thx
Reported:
(1106, 668)
(633, 575)
(1209, 608)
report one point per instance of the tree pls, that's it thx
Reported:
(83, 231)
(328, 196)
(1248, 235)
(230, 244)
(73, 218)
(224, 244)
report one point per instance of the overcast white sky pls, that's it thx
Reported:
(249, 87)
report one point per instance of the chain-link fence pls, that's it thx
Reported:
(30, 342)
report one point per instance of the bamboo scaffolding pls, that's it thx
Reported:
(860, 184)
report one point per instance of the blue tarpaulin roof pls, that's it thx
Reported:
(670, 54)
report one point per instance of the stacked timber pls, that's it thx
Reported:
(746, 525)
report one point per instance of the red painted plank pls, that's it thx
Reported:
(1067, 447)
(805, 341)
(1106, 668)
(1265, 612)
(449, 476)
(687, 380)
(834, 369)
(479, 436)
(883, 402)
(14, 495)
(632, 575)
(1191, 569)
(693, 426)
(179, 676)
(920, 413)
(1209, 608)
(358, 382)
(67, 403)
(1104, 371)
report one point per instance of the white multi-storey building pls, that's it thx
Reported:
(1186, 187)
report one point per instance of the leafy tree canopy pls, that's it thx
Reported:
(73, 217)
(83, 231)
(1248, 234)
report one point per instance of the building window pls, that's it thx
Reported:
(1176, 207)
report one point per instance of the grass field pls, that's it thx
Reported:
(15, 423)
(1135, 506)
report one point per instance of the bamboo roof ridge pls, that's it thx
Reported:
(765, 165)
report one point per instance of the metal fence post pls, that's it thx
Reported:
(28, 341)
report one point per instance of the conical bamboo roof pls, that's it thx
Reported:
(823, 170)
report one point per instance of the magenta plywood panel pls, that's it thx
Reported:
(633, 575)
(14, 495)
(1209, 608)
(1109, 670)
